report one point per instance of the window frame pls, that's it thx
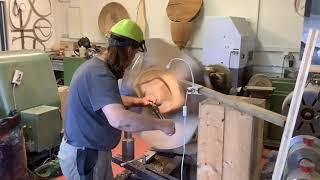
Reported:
(3, 27)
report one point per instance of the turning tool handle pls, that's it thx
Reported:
(156, 110)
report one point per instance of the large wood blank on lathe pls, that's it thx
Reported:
(164, 86)
(229, 142)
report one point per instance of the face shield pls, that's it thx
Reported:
(131, 73)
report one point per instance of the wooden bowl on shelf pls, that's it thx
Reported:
(111, 14)
(181, 33)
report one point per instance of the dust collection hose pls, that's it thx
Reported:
(13, 160)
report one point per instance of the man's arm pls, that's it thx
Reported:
(129, 101)
(129, 121)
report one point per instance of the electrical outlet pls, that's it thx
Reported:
(17, 77)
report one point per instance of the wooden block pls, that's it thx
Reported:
(63, 94)
(237, 145)
(210, 141)
(243, 143)
(229, 142)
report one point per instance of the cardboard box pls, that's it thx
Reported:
(63, 94)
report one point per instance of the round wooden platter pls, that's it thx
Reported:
(110, 15)
(183, 10)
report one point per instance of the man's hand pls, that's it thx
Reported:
(148, 100)
(168, 127)
(129, 101)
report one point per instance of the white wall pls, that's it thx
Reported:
(277, 25)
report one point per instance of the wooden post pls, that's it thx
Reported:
(243, 141)
(229, 142)
(210, 141)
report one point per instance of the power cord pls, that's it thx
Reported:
(184, 114)
(188, 64)
(16, 81)
(190, 90)
(14, 96)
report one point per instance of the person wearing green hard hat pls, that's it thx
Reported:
(127, 33)
(97, 113)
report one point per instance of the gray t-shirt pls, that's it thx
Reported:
(92, 87)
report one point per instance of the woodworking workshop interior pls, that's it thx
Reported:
(160, 89)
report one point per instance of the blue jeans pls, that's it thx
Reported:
(79, 163)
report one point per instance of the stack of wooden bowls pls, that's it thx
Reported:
(182, 13)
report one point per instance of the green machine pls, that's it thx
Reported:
(283, 87)
(36, 97)
(70, 65)
(308, 117)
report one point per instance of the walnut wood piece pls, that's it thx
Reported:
(183, 10)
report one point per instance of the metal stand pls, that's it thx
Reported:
(127, 147)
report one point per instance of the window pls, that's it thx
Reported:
(3, 29)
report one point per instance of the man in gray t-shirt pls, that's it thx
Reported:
(96, 112)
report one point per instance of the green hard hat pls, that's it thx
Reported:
(129, 29)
